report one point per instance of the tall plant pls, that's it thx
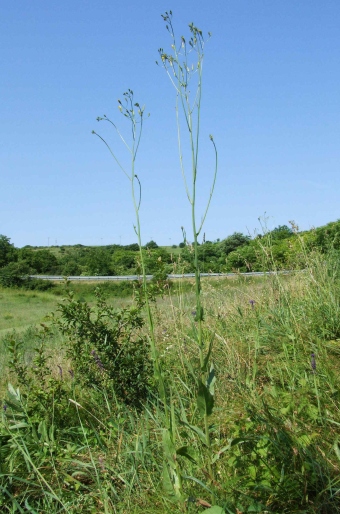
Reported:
(135, 114)
(184, 67)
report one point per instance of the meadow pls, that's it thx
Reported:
(76, 446)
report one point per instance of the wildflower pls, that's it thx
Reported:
(71, 372)
(97, 360)
(5, 407)
(313, 362)
(252, 303)
(60, 371)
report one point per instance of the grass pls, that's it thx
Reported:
(21, 309)
(274, 428)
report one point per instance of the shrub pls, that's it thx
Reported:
(106, 347)
(15, 274)
(37, 284)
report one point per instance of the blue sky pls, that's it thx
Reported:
(270, 98)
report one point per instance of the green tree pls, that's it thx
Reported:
(41, 261)
(281, 232)
(244, 259)
(231, 243)
(151, 245)
(328, 236)
(124, 261)
(155, 259)
(71, 267)
(7, 251)
(98, 261)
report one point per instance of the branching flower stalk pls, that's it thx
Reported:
(184, 67)
(134, 113)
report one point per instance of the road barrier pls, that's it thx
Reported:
(83, 278)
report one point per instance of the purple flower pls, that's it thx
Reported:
(252, 303)
(5, 407)
(313, 362)
(60, 371)
(71, 372)
(97, 360)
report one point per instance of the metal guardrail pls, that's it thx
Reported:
(99, 278)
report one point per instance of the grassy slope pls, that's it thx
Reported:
(262, 359)
(20, 309)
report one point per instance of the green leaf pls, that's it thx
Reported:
(171, 482)
(252, 472)
(238, 440)
(194, 479)
(197, 431)
(205, 400)
(207, 357)
(188, 452)
(211, 380)
(168, 445)
(217, 455)
(19, 425)
(14, 393)
(29, 508)
(336, 449)
(214, 510)
(167, 484)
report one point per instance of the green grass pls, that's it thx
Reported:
(21, 309)
(274, 427)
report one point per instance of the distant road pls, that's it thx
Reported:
(149, 277)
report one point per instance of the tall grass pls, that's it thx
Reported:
(274, 429)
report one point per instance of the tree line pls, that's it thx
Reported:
(282, 248)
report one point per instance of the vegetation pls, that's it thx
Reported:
(67, 445)
(220, 398)
(237, 252)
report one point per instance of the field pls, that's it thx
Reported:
(70, 445)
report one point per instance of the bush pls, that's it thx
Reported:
(37, 284)
(106, 347)
(15, 274)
